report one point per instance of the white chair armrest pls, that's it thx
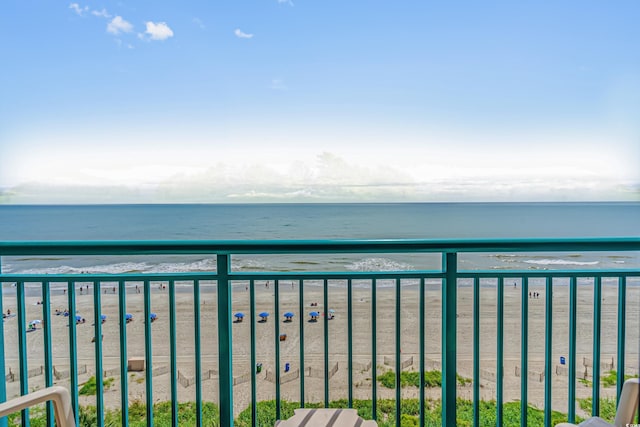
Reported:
(58, 395)
(628, 404)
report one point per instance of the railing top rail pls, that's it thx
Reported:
(15, 248)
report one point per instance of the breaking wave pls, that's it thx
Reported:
(559, 262)
(378, 264)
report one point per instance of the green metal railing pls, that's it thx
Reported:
(224, 277)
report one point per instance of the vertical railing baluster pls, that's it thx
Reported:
(198, 350)
(548, 349)
(173, 353)
(350, 341)
(4, 422)
(97, 328)
(124, 363)
(422, 350)
(500, 352)
(148, 352)
(73, 353)
(326, 342)
(374, 363)
(476, 351)
(622, 314)
(573, 323)
(225, 349)
(301, 320)
(398, 354)
(48, 364)
(22, 347)
(449, 308)
(597, 312)
(276, 316)
(252, 329)
(524, 351)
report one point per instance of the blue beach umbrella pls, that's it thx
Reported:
(314, 314)
(331, 310)
(78, 318)
(128, 316)
(103, 317)
(153, 316)
(264, 314)
(288, 315)
(239, 315)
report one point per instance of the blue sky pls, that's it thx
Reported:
(272, 100)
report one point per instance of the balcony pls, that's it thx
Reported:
(444, 344)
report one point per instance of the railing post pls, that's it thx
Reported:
(597, 318)
(548, 349)
(225, 349)
(573, 322)
(449, 302)
(622, 313)
(3, 384)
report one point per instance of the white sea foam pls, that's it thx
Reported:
(208, 264)
(248, 264)
(378, 264)
(124, 267)
(559, 262)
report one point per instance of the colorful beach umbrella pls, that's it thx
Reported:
(35, 322)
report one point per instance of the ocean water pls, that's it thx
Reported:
(318, 221)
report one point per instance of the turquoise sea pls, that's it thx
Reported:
(318, 221)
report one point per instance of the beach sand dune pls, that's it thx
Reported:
(313, 335)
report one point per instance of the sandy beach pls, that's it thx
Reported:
(338, 345)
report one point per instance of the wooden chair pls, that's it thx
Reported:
(325, 418)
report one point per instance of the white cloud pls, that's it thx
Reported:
(119, 25)
(238, 32)
(158, 31)
(101, 13)
(78, 9)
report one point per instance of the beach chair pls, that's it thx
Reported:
(58, 395)
(325, 417)
(627, 408)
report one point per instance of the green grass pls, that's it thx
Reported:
(585, 382)
(607, 407)
(267, 414)
(410, 413)
(611, 378)
(431, 379)
(89, 388)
